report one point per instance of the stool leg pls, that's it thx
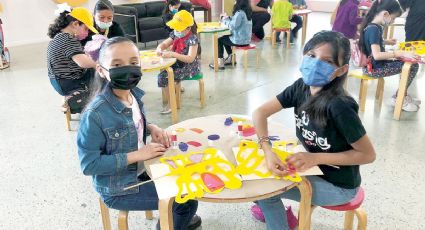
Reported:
(164, 96)
(363, 94)
(380, 91)
(288, 38)
(178, 94)
(362, 219)
(233, 56)
(308, 224)
(68, 118)
(273, 38)
(202, 92)
(245, 62)
(402, 90)
(149, 215)
(348, 222)
(123, 220)
(104, 212)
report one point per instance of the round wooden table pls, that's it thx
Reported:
(212, 28)
(251, 190)
(151, 62)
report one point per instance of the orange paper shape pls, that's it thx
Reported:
(196, 130)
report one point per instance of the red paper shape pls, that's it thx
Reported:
(212, 181)
(248, 132)
(194, 143)
(196, 130)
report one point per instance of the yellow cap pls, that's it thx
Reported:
(181, 21)
(84, 16)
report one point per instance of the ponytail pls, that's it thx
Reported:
(392, 6)
(61, 22)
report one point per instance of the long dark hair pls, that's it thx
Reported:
(170, 3)
(317, 106)
(245, 6)
(98, 83)
(103, 5)
(392, 6)
(60, 23)
(342, 2)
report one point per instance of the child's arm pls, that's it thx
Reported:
(189, 58)
(378, 55)
(233, 22)
(362, 153)
(84, 61)
(164, 45)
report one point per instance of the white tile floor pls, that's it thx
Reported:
(42, 186)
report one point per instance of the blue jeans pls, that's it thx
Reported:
(324, 194)
(147, 199)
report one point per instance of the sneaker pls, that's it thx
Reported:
(407, 98)
(257, 213)
(165, 110)
(408, 104)
(194, 223)
(228, 61)
(220, 64)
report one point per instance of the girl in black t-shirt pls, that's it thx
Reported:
(381, 14)
(327, 125)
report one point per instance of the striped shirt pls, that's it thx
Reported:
(60, 51)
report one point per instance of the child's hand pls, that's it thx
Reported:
(274, 164)
(160, 136)
(405, 54)
(391, 42)
(159, 51)
(150, 151)
(168, 54)
(302, 161)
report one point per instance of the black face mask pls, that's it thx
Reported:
(125, 77)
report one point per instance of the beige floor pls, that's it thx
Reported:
(42, 186)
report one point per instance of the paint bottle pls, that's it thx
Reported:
(240, 129)
(174, 144)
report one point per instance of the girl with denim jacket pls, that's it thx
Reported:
(240, 25)
(112, 136)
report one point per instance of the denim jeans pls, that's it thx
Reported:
(324, 194)
(147, 199)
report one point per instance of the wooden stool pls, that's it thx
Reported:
(285, 30)
(122, 217)
(358, 73)
(198, 77)
(245, 49)
(351, 208)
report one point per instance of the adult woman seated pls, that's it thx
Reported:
(104, 21)
(260, 17)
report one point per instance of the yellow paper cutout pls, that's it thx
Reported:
(148, 53)
(248, 163)
(189, 173)
(417, 46)
(180, 130)
(237, 119)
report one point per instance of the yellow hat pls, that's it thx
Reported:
(84, 16)
(181, 21)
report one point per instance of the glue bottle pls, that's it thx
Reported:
(174, 143)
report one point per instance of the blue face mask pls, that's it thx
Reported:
(316, 72)
(174, 11)
(179, 34)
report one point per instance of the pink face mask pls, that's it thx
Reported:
(82, 34)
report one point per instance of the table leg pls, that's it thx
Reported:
(402, 90)
(172, 93)
(165, 207)
(215, 45)
(304, 217)
(304, 29)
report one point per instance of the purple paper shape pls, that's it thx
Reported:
(213, 137)
(183, 146)
(228, 121)
(196, 158)
(170, 162)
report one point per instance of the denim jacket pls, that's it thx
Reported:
(240, 27)
(107, 133)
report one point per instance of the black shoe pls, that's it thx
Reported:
(194, 223)
(228, 61)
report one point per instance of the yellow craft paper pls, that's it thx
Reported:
(248, 163)
(417, 46)
(189, 173)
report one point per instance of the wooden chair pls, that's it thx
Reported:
(199, 78)
(245, 49)
(122, 217)
(207, 12)
(284, 30)
(350, 208)
(364, 80)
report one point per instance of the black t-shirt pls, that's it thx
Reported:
(114, 31)
(264, 4)
(415, 21)
(60, 51)
(343, 127)
(373, 35)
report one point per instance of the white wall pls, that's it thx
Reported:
(322, 5)
(26, 21)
